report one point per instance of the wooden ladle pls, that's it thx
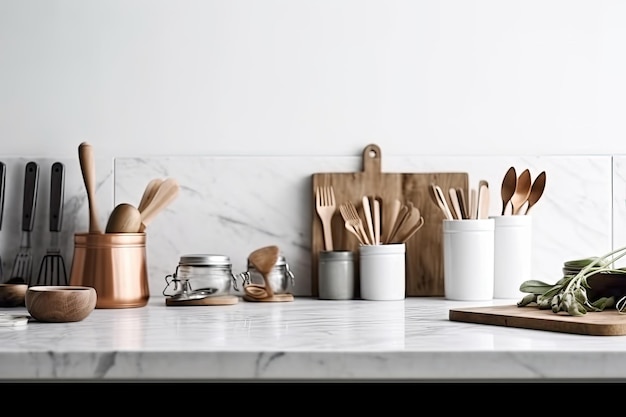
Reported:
(509, 183)
(522, 189)
(263, 260)
(536, 191)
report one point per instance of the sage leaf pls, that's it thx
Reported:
(603, 303)
(535, 287)
(528, 299)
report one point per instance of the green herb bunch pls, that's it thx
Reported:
(569, 294)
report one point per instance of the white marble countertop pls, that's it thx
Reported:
(304, 340)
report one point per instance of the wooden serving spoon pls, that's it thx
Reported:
(456, 205)
(88, 169)
(263, 260)
(164, 195)
(522, 189)
(509, 183)
(125, 218)
(389, 222)
(536, 191)
(148, 193)
(443, 202)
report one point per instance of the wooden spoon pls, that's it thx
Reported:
(389, 221)
(148, 193)
(443, 202)
(522, 189)
(456, 205)
(402, 213)
(434, 196)
(164, 195)
(88, 169)
(263, 260)
(411, 223)
(125, 218)
(509, 183)
(536, 190)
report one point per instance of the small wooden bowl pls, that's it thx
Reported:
(60, 303)
(12, 295)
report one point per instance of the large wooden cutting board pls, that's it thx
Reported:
(602, 323)
(424, 257)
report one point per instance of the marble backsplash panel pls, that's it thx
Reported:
(233, 205)
(619, 205)
(75, 214)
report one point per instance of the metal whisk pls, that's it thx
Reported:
(52, 269)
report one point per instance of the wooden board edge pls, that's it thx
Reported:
(581, 328)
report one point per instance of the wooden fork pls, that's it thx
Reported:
(353, 221)
(325, 206)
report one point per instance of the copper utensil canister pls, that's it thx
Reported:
(115, 265)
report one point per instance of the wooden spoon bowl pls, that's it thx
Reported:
(263, 260)
(509, 183)
(522, 190)
(125, 218)
(536, 191)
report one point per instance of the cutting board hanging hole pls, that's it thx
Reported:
(372, 159)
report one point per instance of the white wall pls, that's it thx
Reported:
(312, 77)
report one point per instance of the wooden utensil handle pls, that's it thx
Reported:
(88, 169)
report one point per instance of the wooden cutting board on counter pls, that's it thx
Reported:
(424, 251)
(601, 323)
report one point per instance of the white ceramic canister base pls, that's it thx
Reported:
(383, 272)
(512, 254)
(468, 258)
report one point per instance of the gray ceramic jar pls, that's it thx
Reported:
(336, 275)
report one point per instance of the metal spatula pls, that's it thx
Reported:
(23, 265)
(52, 269)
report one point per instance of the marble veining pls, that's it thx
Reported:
(232, 205)
(307, 339)
(75, 211)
